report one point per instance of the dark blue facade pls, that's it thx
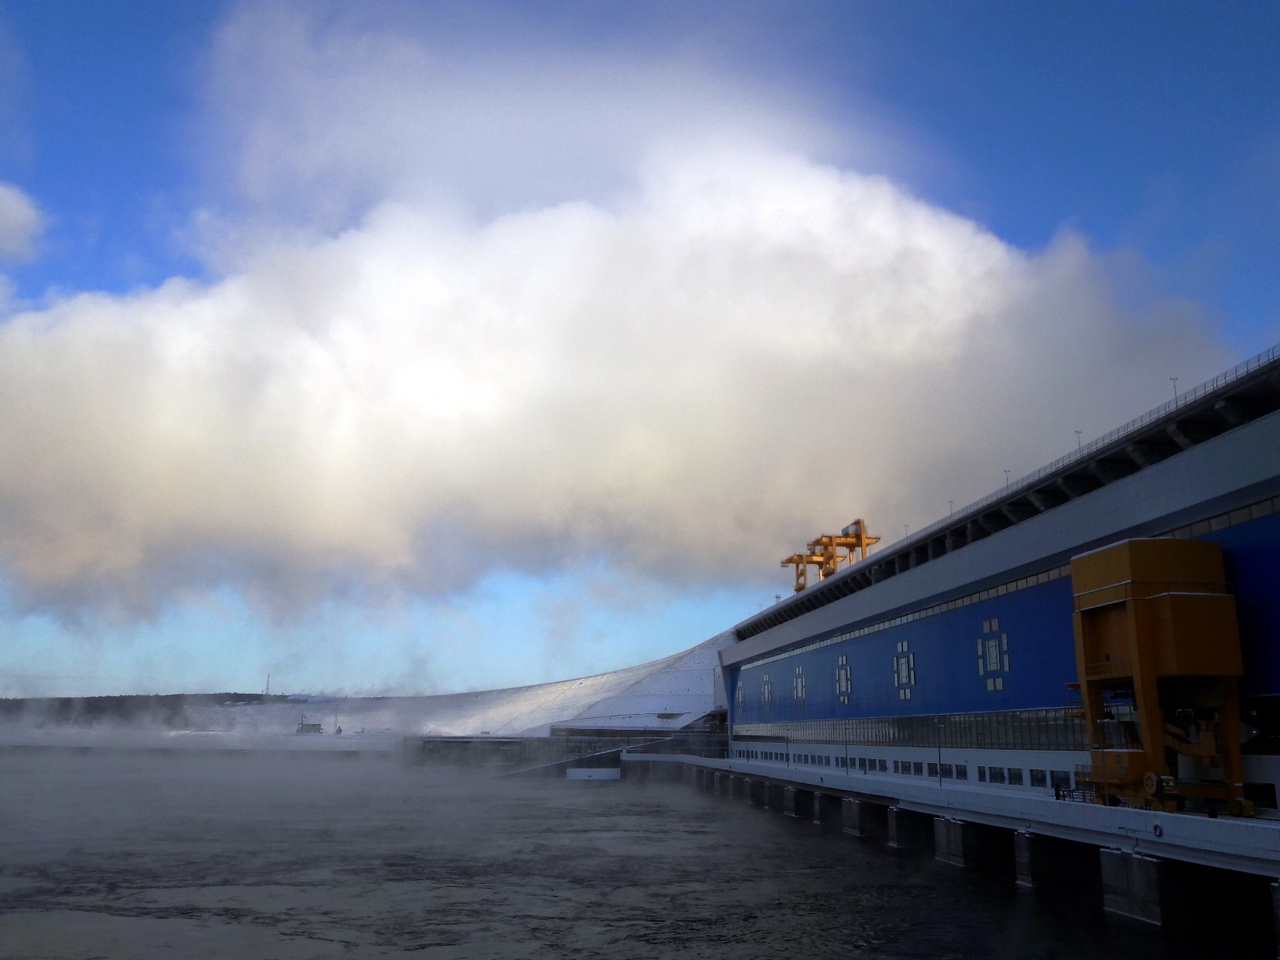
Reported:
(942, 671)
(942, 651)
(1251, 552)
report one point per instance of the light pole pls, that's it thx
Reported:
(938, 727)
(1006, 480)
(1079, 441)
(1174, 381)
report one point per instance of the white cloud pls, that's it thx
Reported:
(20, 223)
(316, 113)
(754, 347)
(711, 352)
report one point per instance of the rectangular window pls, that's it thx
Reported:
(962, 771)
(993, 654)
(895, 766)
(1038, 778)
(918, 768)
(995, 774)
(1015, 776)
(933, 771)
(982, 774)
(1060, 779)
(884, 765)
(947, 772)
(862, 763)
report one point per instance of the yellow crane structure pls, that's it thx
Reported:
(825, 552)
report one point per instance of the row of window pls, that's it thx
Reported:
(1050, 728)
(1013, 776)
(863, 764)
(935, 771)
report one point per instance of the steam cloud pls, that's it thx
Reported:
(714, 350)
(20, 223)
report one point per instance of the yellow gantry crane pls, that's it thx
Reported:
(825, 552)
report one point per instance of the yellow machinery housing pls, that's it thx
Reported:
(1158, 656)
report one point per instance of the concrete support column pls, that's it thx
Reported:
(826, 810)
(952, 841)
(774, 797)
(1275, 912)
(860, 818)
(797, 803)
(1029, 857)
(1131, 885)
(907, 830)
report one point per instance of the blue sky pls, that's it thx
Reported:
(417, 347)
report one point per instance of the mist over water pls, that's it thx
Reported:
(141, 854)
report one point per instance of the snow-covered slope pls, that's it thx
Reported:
(665, 694)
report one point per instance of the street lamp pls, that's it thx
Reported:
(938, 728)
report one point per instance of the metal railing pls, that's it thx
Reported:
(1186, 398)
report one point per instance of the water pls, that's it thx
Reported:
(139, 855)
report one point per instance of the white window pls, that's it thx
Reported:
(993, 655)
(904, 670)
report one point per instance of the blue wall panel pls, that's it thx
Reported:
(1037, 621)
(1252, 555)
(944, 647)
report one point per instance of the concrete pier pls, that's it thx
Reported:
(908, 830)
(1131, 885)
(773, 797)
(953, 841)
(797, 803)
(1041, 862)
(1244, 906)
(826, 810)
(1028, 859)
(1275, 914)
(862, 818)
